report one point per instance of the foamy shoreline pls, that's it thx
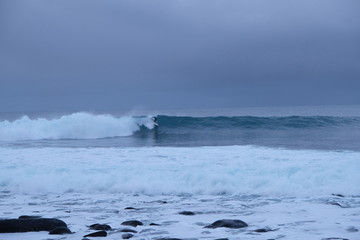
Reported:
(289, 217)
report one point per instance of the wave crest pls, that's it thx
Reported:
(74, 126)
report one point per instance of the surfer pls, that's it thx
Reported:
(154, 119)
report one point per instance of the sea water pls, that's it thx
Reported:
(291, 170)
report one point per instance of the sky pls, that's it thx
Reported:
(70, 55)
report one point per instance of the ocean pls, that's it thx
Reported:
(290, 171)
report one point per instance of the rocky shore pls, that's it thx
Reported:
(78, 217)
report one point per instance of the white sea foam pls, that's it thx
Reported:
(165, 170)
(290, 218)
(75, 126)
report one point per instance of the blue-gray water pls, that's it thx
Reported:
(292, 132)
(66, 164)
(336, 128)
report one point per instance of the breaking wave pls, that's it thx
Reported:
(105, 130)
(74, 126)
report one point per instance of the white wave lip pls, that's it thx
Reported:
(162, 170)
(75, 126)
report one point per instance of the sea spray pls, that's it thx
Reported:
(74, 126)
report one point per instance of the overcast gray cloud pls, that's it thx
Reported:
(99, 55)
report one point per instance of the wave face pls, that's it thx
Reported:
(73, 126)
(169, 170)
(323, 132)
(249, 122)
(105, 130)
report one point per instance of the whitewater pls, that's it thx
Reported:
(80, 125)
(203, 170)
(296, 175)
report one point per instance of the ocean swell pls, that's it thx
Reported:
(105, 130)
(251, 122)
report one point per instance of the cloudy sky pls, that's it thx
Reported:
(124, 54)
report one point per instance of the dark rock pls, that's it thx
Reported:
(128, 230)
(97, 226)
(187, 213)
(28, 216)
(133, 223)
(227, 223)
(352, 229)
(168, 239)
(264, 230)
(97, 234)
(127, 236)
(130, 208)
(336, 204)
(60, 231)
(30, 225)
(154, 224)
(338, 195)
(334, 238)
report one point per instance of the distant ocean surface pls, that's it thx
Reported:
(250, 154)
